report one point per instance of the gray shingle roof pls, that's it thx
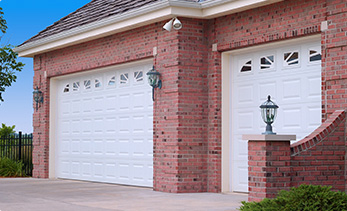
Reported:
(91, 12)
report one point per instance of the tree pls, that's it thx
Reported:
(6, 131)
(8, 61)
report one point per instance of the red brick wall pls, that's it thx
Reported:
(41, 122)
(334, 66)
(180, 109)
(275, 22)
(319, 159)
(181, 112)
(269, 168)
(187, 110)
(214, 112)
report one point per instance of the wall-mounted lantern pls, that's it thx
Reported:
(268, 113)
(38, 97)
(154, 80)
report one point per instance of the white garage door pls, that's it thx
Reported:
(291, 74)
(104, 127)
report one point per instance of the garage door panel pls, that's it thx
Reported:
(242, 172)
(110, 170)
(98, 104)
(313, 116)
(291, 74)
(244, 122)
(86, 147)
(240, 148)
(87, 106)
(245, 95)
(292, 118)
(111, 103)
(86, 169)
(104, 127)
(98, 170)
(266, 88)
(64, 167)
(75, 146)
(292, 89)
(65, 146)
(313, 85)
(87, 126)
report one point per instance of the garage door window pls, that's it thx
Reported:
(124, 78)
(112, 81)
(291, 58)
(247, 67)
(76, 86)
(138, 76)
(315, 56)
(97, 83)
(267, 62)
(87, 84)
(67, 88)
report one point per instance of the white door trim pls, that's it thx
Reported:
(227, 102)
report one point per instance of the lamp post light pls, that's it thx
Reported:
(38, 97)
(154, 80)
(268, 113)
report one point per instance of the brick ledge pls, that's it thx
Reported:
(320, 134)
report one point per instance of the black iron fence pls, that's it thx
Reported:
(18, 147)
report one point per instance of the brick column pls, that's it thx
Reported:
(268, 165)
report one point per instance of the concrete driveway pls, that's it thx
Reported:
(49, 195)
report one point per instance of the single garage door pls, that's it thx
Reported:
(104, 126)
(291, 74)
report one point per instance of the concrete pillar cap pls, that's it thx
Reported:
(263, 137)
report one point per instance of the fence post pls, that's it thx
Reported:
(20, 145)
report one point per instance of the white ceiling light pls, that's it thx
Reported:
(175, 23)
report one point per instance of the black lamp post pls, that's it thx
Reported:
(268, 113)
(38, 97)
(154, 80)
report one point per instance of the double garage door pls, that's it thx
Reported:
(104, 126)
(291, 74)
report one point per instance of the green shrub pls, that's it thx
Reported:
(6, 131)
(302, 198)
(11, 168)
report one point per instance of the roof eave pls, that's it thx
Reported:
(146, 15)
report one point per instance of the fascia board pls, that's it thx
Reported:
(90, 32)
(162, 7)
(217, 8)
(148, 14)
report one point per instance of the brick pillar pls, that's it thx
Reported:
(268, 165)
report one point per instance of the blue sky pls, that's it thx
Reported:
(24, 20)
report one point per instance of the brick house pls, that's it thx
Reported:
(98, 121)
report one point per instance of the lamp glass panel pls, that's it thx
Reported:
(153, 80)
(268, 115)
